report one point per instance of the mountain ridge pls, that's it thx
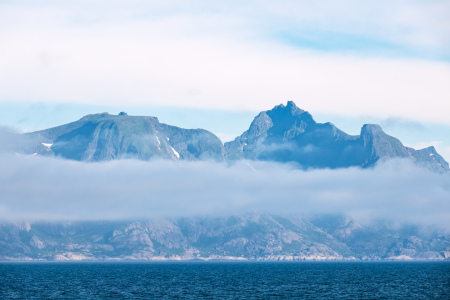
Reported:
(290, 134)
(99, 137)
(284, 133)
(250, 236)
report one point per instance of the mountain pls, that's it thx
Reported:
(249, 236)
(101, 137)
(282, 134)
(290, 134)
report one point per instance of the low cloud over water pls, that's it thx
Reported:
(40, 188)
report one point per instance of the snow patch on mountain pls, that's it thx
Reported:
(175, 152)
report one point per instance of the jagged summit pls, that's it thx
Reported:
(290, 134)
(290, 108)
(371, 129)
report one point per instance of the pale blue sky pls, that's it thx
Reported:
(215, 65)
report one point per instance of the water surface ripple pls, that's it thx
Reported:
(225, 280)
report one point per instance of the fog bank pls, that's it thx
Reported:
(39, 188)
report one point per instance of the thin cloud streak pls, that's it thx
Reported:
(39, 188)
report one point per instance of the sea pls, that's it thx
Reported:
(225, 280)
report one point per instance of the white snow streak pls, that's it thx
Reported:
(175, 152)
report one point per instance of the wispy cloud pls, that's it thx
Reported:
(10, 140)
(394, 122)
(225, 56)
(420, 25)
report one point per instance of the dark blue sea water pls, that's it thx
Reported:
(226, 280)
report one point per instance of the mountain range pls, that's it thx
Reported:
(247, 236)
(284, 134)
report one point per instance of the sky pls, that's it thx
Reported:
(215, 65)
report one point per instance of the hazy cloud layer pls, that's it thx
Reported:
(10, 140)
(38, 188)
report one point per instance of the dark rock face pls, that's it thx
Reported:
(103, 137)
(289, 134)
(250, 236)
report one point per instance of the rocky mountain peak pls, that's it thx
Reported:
(371, 129)
(287, 133)
(289, 110)
(293, 108)
(100, 137)
(260, 125)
